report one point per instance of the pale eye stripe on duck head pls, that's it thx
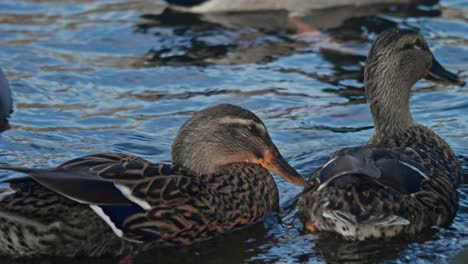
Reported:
(250, 124)
(418, 44)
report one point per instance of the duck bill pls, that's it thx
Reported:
(278, 165)
(437, 73)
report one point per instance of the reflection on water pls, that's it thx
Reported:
(259, 37)
(336, 250)
(99, 76)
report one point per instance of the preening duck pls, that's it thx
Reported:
(108, 204)
(405, 179)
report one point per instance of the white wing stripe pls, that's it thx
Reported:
(328, 163)
(128, 194)
(98, 210)
(415, 169)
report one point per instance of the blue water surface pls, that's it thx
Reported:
(115, 75)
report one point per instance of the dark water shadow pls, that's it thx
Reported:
(336, 250)
(236, 247)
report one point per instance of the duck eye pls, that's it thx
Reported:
(407, 46)
(254, 130)
(420, 45)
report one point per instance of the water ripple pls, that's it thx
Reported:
(100, 76)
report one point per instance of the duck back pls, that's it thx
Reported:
(394, 185)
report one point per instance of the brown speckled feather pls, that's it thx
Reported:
(369, 203)
(36, 222)
(438, 196)
(176, 209)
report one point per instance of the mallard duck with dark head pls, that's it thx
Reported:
(108, 204)
(405, 179)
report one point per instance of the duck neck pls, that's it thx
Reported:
(248, 186)
(389, 105)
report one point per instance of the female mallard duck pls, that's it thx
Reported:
(406, 178)
(219, 181)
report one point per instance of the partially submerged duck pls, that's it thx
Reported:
(6, 102)
(405, 179)
(110, 204)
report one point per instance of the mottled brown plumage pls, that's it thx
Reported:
(111, 204)
(406, 178)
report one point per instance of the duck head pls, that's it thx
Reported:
(224, 134)
(397, 60)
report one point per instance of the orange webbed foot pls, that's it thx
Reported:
(310, 227)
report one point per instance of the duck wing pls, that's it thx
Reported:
(133, 196)
(95, 179)
(398, 169)
(379, 172)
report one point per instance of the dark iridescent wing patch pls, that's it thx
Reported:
(388, 168)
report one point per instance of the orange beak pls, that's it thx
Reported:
(278, 165)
